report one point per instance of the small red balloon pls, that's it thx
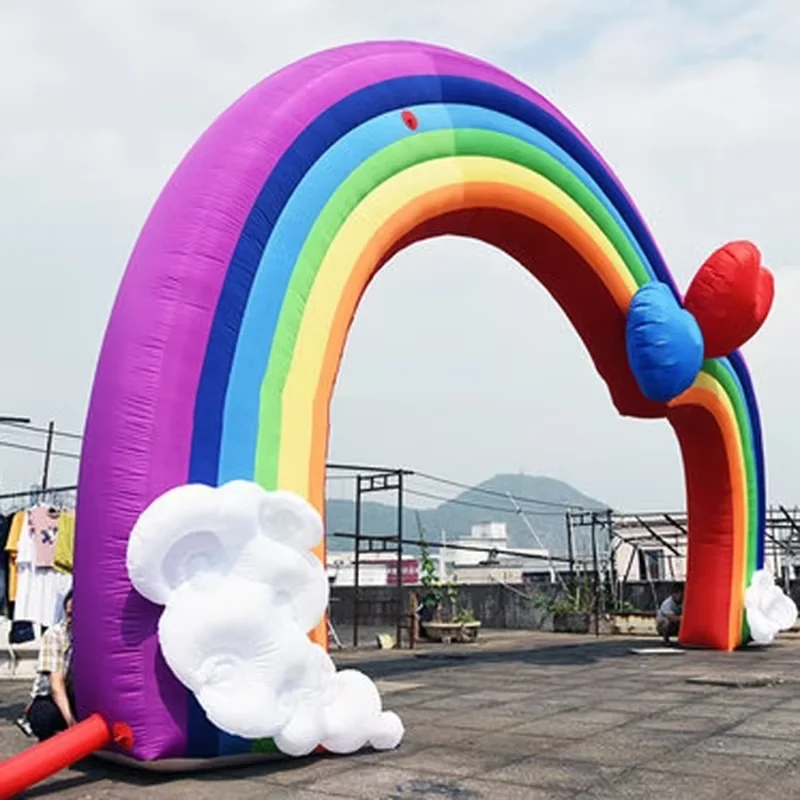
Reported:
(410, 120)
(730, 297)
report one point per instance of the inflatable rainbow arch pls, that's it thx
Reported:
(223, 346)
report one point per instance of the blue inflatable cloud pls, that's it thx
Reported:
(664, 343)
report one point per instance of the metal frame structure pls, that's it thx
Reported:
(668, 531)
(369, 480)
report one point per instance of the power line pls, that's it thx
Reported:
(481, 506)
(492, 493)
(35, 429)
(31, 449)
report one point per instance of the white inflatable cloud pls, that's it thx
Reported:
(769, 611)
(241, 589)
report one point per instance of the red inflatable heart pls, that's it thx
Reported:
(730, 297)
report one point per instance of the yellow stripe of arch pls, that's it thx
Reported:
(353, 236)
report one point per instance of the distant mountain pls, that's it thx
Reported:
(487, 502)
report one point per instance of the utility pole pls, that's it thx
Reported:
(48, 452)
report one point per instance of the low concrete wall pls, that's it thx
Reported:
(495, 605)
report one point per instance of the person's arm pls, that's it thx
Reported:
(58, 688)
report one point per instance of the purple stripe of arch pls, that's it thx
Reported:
(139, 427)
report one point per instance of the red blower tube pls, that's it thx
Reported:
(26, 769)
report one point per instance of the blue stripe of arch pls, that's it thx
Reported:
(274, 272)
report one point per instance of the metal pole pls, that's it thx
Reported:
(356, 593)
(399, 557)
(612, 557)
(596, 567)
(47, 454)
(570, 553)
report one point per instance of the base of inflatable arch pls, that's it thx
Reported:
(190, 765)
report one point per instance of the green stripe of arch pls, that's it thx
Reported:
(362, 181)
(721, 374)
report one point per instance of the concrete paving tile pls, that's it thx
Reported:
(789, 704)
(391, 687)
(662, 695)
(423, 716)
(510, 744)
(496, 696)
(625, 748)
(647, 784)
(762, 725)
(778, 749)
(486, 721)
(641, 704)
(546, 705)
(459, 702)
(662, 722)
(491, 790)
(305, 770)
(375, 781)
(456, 761)
(556, 773)
(694, 761)
(723, 714)
(574, 724)
(175, 789)
(418, 736)
(751, 698)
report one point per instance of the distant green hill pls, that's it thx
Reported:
(457, 516)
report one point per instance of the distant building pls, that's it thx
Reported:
(650, 547)
(483, 560)
(376, 569)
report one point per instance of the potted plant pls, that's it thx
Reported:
(441, 617)
(572, 612)
(432, 593)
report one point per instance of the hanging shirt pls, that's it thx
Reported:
(5, 525)
(65, 543)
(40, 590)
(12, 548)
(43, 528)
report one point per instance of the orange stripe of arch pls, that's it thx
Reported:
(417, 211)
(709, 400)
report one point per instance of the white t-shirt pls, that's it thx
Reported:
(40, 590)
(668, 608)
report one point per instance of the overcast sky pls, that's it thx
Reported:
(459, 363)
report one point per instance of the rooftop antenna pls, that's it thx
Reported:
(554, 575)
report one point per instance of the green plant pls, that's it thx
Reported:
(433, 592)
(464, 615)
(576, 599)
(438, 596)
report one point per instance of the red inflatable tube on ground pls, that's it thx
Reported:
(28, 768)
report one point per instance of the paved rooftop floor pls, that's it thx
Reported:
(526, 715)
